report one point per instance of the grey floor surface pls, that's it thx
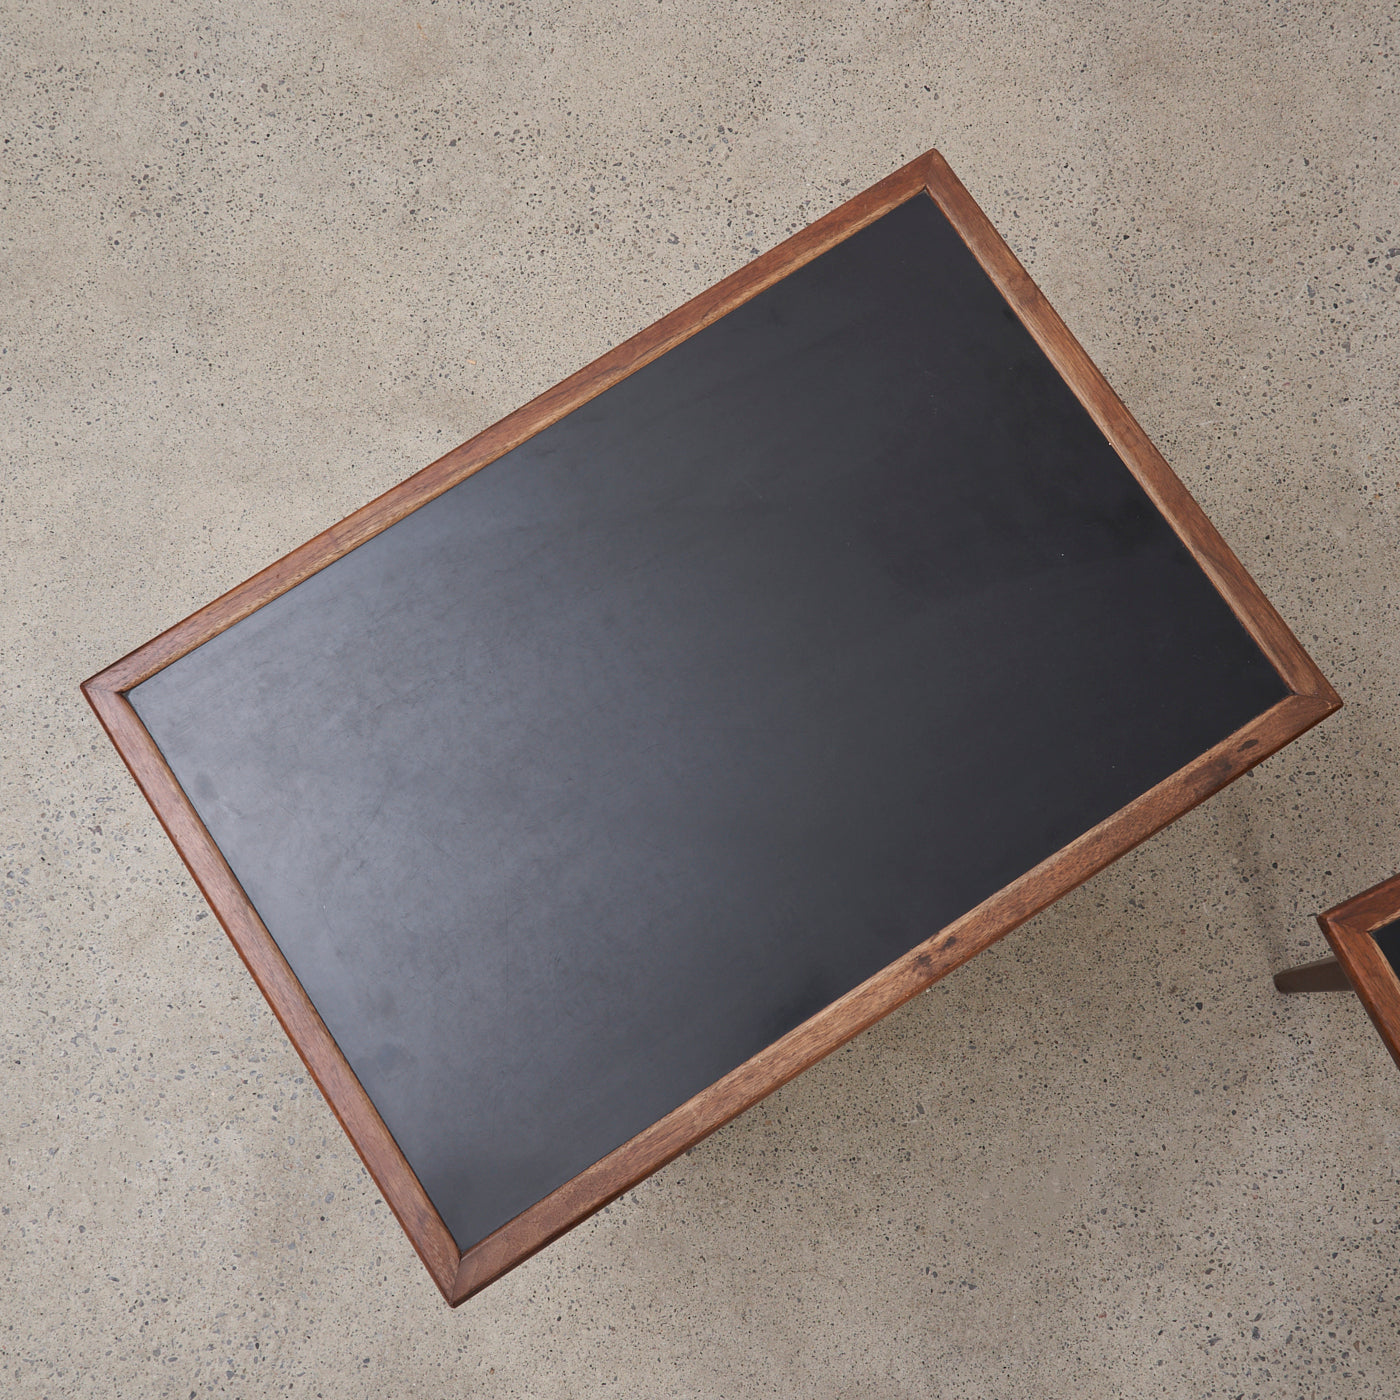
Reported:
(260, 262)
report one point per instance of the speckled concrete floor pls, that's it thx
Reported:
(261, 263)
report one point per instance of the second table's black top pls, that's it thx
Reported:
(1388, 941)
(586, 781)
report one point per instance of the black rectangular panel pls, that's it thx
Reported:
(1388, 941)
(589, 779)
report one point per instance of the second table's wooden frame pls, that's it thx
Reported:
(458, 1272)
(1359, 964)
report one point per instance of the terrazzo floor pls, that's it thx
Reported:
(261, 263)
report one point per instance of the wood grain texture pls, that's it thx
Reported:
(1348, 928)
(889, 989)
(460, 1274)
(275, 979)
(1119, 426)
(511, 431)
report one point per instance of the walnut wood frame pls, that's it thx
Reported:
(461, 1273)
(1348, 928)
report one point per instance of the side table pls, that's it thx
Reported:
(1364, 932)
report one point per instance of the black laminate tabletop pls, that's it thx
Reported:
(1388, 941)
(590, 778)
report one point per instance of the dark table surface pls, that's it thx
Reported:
(1388, 941)
(584, 782)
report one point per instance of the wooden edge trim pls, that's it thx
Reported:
(493, 442)
(1348, 928)
(875, 998)
(278, 983)
(1161, 483)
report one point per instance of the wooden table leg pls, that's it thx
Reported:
(1325, 975)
